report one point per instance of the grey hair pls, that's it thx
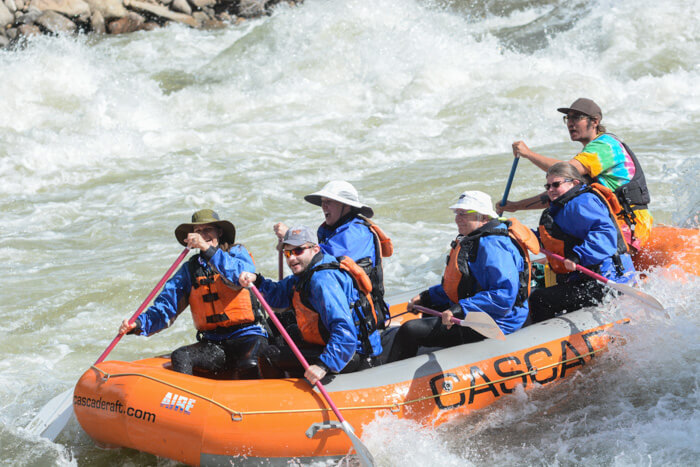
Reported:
(566, 170)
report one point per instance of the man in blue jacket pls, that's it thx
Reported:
(485, 272)
(334, 332)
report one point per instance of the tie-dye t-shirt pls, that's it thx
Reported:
(610, 164)
(608, 161)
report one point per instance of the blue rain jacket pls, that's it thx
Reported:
(352, 239)
(174, 297)
(496, 269)
(331, 292)
(587, 218)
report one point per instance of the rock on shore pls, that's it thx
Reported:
(22, 18)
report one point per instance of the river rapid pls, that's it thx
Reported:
(108, 143)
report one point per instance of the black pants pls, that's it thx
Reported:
(240, 354)
(428, 332)
(278, 361)
(551, 301)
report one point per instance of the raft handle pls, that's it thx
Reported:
(236, 416)
(316, 427)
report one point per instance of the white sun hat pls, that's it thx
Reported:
(476, 201)
(343, 192)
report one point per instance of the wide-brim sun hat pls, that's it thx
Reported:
(206, 216)
(477, 201)
(343, 192)
(585, 106)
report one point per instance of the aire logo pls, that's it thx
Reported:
(177, 402)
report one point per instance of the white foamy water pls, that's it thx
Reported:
(107, 144)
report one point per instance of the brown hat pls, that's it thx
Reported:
(206, 216)
(584, 106)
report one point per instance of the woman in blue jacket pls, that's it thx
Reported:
(228, 318)
(484, 272)
(579, 226)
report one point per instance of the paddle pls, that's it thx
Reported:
(477, 320)
(360, 448)
(54, 416)
(280, 264)
(624, 288)
(510, 180)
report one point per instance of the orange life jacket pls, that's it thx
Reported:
(459, 283)
(384, 248)
(310, 325)
(216, 304)
(556, 241)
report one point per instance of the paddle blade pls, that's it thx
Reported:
(361, 450)
(638, 294)
(483, 324)
(53, 417)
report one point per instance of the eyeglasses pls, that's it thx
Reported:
(295, 251)
(574, 118)
(547, 186)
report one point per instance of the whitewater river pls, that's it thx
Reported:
(107, 144)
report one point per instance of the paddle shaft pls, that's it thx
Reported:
(429, 311)
(280, 265)
(580, 268)
(296, 351)
(148, 299)
(510, 180)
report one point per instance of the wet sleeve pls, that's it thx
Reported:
(438, 297)
(231, 264)
(354, 241)
(329, 299)
(171, 301)
(594, 226)
(278, 294)
(496, 271)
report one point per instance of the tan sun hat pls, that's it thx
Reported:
(343, 192)
(206, 216)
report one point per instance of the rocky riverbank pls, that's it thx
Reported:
(22, 18)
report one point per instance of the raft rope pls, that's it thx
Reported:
(394, 408)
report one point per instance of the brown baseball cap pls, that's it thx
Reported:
(584, 106)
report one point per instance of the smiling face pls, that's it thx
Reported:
(210, 233)
(299, 257)
(468, 221)
(333, 210)
(557, 185)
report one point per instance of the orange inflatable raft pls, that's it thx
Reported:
(146, 406)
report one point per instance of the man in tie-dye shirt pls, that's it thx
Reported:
(605, 160)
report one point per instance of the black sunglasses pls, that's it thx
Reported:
(547, 186)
